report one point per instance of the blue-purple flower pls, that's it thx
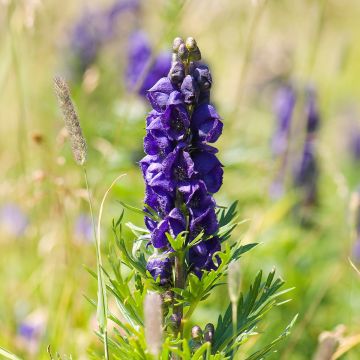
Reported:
(94, 29)
(143, 71)
(13, 219)
(83, 229)
(307, 171)
(284, 107)
(181, 170)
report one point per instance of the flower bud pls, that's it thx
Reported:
(191, 44)
(174, 322)
(177, 72)
(167, 297)
(196, 333)
(183, 52)
(176, 44)
(209, 332)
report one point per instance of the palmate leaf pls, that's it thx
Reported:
(252, 307)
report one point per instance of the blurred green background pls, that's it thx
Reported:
(251, 47)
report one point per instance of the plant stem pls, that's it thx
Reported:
(180, 284)
(99, 266)
(178, 309)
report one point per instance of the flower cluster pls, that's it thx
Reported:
(181, 170)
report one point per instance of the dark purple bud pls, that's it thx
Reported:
(209, 332)
(190, 90)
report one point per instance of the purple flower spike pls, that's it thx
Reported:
(181, 170)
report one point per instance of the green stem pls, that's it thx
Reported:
(180, 284)
(99, 265)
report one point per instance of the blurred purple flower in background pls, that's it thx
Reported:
(144, 70)
(306, 172)
(283, 107)
(94, 29)
(83, 229)
(30, 331)
(354, 143)
(13, 220)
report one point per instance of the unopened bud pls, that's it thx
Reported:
(176, 44)
(183, 52)
(174, 322)
(196, 333)
(209, 332)
(167, 297)
(191, 44)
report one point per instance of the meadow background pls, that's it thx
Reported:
(253, 47)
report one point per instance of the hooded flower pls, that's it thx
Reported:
(209, 169)
(201, 255)
(206, 123)
(159, 266)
